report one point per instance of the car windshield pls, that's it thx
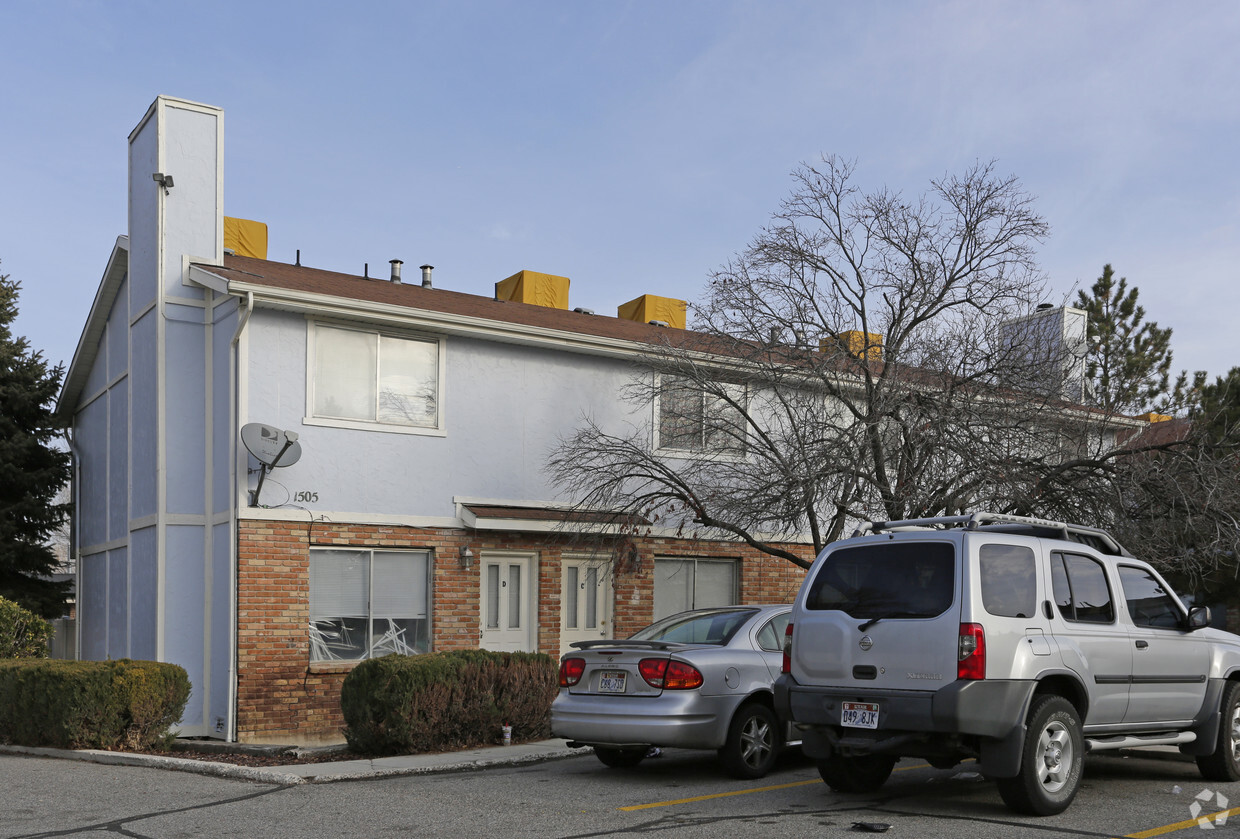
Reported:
(890, 580)
(713, 627)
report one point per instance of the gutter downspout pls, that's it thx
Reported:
(74, 542)
(233, 513)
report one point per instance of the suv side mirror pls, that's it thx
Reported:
(1198, 617)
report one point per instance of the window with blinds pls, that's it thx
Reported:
(367, 603)
(683, 584)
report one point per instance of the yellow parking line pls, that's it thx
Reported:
(1184, 825)
(632, 807)
(719, 795)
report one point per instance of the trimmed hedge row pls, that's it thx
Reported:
(451, 700)
(90, 704)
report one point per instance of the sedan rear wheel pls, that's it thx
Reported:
(619, 758)
(753, 742)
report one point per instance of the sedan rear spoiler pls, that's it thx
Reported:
(640, 645)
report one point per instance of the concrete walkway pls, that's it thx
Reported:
(318, 773)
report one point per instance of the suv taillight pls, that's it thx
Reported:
(786, 667)
(971, 656)
(669, 675)
(571, 670)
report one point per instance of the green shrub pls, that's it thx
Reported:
(90, 704)
(23, 634)
(452, 700)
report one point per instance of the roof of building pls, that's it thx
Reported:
(241, 271)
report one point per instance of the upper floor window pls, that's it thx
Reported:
(369, 377)
(693, 419)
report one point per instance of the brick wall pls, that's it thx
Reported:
(283, 698)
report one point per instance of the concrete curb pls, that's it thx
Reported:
(322, 773)
(200, 767)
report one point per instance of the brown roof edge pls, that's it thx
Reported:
(553, 514)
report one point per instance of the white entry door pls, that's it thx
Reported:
(509, 592)
(585, 601)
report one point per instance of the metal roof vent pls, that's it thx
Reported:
(396, 263)
(426, 276)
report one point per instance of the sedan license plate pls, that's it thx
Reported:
(859, 714)
(612, 681)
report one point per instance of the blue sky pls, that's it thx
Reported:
(633, 147)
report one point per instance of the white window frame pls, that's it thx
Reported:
(323, 644)
(437, 430)
(695, 561)
(741, 393)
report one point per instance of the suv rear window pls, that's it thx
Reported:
(1009, 580)
(891, 580)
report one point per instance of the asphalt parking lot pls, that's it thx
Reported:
(1139, 796)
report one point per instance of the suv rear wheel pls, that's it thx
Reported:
(1224, 764)
(1051, 761)
(856, 774)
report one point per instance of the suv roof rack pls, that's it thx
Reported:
(1094, 537)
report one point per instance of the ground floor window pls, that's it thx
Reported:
(366, 603)
(681, 584)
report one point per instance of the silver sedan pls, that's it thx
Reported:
(696, 680)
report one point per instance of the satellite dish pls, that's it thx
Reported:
(271, 447)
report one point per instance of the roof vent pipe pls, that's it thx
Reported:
(396, 263)
(426, 275)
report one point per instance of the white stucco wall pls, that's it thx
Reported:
(504, 407)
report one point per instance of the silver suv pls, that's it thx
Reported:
(1020, 642)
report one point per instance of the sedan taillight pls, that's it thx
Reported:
(571, 670)
(669, 675)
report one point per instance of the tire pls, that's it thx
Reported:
(619, 758)
(1224, 764)
(856, 774)
(1051, 761)
(753, 742)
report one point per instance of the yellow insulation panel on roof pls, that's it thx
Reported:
(245, 238)
(858, 344)
(535, 288)
(650, 307)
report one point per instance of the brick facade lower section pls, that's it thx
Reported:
(283, 698)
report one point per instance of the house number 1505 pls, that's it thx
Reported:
(308, 497)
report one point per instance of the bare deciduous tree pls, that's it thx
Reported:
(856, 361)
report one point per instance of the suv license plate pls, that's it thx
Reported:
(611, 681)
(859, 714)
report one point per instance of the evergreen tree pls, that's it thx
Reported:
(1128, 359)
(32, 468)
(1217, 409)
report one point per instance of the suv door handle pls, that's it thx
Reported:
(1141, 645)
